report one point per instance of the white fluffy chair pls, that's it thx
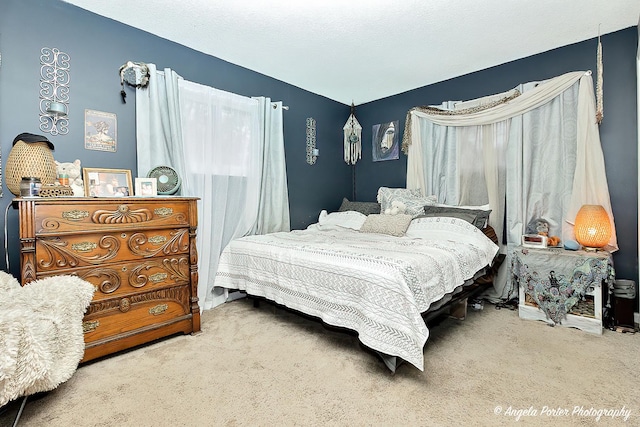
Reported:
(41, 337)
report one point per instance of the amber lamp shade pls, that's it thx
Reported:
(592, 227)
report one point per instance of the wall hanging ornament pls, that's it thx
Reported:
(54, 91)
(134, 74)
(599, 80)
(352, 138)
(312, 151)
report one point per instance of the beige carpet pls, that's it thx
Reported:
(270, 367)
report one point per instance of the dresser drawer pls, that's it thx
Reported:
(123, 279)
(109, 215)
(79, 250)
(118, 316)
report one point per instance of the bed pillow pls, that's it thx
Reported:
(412, 199)
(481, 216)
(470, 217)
(347, 219)
(393, 225)
(365, 208)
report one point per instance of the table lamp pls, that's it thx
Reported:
(592, 227)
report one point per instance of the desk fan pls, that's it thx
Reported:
(168, 179)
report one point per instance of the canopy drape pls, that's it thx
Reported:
(533, 152)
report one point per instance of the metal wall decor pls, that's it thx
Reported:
(54, 91)
(312, 151)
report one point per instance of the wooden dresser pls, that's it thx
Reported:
(139, 252)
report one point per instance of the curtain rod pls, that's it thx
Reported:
(284, 107)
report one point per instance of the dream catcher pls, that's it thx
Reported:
(134, 74)
(352, 139)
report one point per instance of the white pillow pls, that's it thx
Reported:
(393, 225)
(346, 219)
(413, 200)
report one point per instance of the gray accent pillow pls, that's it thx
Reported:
(481, 216)
(365, 208)
(467, 216)
(393, 225)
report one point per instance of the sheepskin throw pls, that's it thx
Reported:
(41, 338)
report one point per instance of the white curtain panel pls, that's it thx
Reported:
(273, 210)
(158, 126)
(218, 142)
(503, 153)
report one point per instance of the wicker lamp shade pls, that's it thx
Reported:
(29, 159)
(592, 227)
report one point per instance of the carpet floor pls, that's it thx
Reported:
(268, 367)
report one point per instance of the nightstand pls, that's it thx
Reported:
(563, 287)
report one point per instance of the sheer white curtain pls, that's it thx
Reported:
(223, 145)
(532, 152)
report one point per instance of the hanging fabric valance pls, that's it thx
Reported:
(505, 109)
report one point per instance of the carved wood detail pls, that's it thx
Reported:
(59, 254)
(122, 215)
(108, 285)
(172, 266)
(178, 295)
(178, 243)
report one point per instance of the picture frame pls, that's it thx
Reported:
(146, 187)
(102, 182)
(100, 130)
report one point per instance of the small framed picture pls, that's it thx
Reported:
(100, 182)
(146, 186)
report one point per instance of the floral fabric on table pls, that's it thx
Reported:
(557, 279)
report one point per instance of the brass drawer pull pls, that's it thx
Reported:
(158, 277)
(75, 215)
(84, 246)
(157, 240)
(158, 309)
(90, 326)
(163, 211)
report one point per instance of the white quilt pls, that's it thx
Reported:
(374, 284)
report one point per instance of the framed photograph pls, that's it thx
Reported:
(100, 131)
(146, 186)
(100, 182)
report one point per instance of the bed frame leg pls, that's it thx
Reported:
(459, 310)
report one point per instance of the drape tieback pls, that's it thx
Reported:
(406, 137)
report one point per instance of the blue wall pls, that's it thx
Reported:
(618, 131)
(99, 46)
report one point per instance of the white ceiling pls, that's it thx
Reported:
(362, 50)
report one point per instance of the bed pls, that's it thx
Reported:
(379, 283)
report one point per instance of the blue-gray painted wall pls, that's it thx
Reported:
(99, 46)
